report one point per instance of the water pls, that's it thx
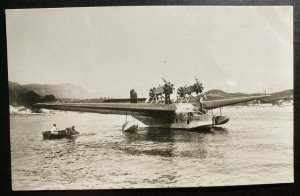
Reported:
(255, 147)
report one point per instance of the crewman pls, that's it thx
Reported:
(54, 129)
(201, 108)
(71, 130)
(201, 105)
(74, 131)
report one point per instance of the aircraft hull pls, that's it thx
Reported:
(192, 126)
(202, 122)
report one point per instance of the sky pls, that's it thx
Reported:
(111, 50)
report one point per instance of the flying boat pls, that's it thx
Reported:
(188, 112)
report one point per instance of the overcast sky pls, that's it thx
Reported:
(113, 49)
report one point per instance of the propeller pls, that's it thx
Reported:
(168, 87)
(151, 93)
(179, 91)
(198, 86)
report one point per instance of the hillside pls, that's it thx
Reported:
(218, 94)
(21, 96)
(63, 90)
(14, 89)
(284, 94)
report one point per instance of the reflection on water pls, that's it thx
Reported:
(150, 134)
(150, 142)
(258, 150)
(219, 130)
(163, 141)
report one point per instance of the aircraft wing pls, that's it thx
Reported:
(145, 108)
(225, 102)
(110, 108)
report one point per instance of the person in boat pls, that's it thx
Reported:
(71, 130)
(54, 129)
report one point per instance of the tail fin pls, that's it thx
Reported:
(133, 96)
(133, 99)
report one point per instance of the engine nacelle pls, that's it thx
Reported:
(166, 89)
(195, 88)
(185, 90)
(159, 90)
(185, 93)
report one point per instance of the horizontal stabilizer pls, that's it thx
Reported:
(125, 100)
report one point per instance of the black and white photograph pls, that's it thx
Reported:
(134, 97)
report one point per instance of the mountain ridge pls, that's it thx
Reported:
(62, 90)
(70, 91)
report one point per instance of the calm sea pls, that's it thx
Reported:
(254, 147)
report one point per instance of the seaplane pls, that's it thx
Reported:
(188, 112)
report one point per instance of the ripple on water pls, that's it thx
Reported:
(254, 147)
